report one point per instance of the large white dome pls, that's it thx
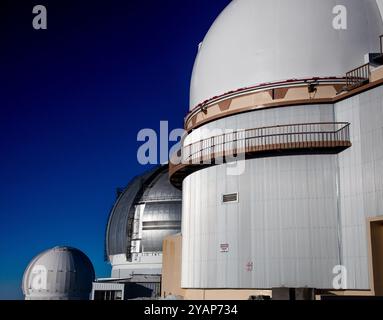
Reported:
(258, 41)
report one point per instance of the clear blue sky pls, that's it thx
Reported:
(72, 99)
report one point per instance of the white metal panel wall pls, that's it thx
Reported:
(361, 179)
(285, 223)
(264, 118)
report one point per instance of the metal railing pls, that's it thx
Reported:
(358, 77)
(295, 136)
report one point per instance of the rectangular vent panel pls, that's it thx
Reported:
(230, 198)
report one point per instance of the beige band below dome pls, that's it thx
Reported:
(280, 94)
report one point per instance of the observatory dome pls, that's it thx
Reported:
(258, 41)
(145, 212)
(61, 273)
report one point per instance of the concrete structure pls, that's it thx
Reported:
(146, 211)
(282, 170)
(61, 273)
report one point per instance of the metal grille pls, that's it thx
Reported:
(227, 198)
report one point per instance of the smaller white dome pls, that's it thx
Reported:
(61, 273)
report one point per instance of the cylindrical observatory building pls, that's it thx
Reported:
(282, 168)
